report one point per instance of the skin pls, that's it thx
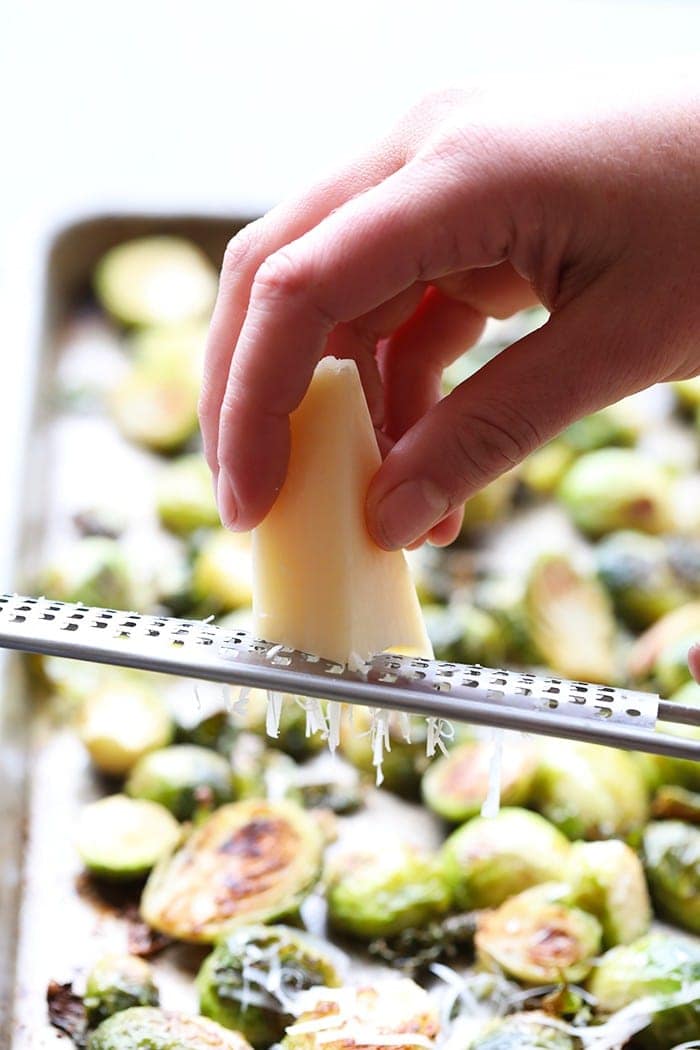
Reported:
(474, 206)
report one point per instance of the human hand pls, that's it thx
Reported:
(694, 661)
(461, 213)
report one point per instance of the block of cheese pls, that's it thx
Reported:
(320, 583)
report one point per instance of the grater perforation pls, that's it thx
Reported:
(521, 700)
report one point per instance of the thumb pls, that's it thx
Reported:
(575, 364)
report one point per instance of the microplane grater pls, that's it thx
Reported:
(529, 702)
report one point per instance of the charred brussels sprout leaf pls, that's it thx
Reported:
(93, 571)
(222, 572)
(571, 621)
(381, 894)
(644, 577)
(382, 1014)
(537, 938)
(183, 778)
(657, 964)
(527, 1031)
(617, 489)
(123, 719)
(155, 403)
(148, 1028)
(252, 980)
(672, 861)
(115, 983)
(155, 280)
(185, 498)
(252, 861)
(488, 860)
(607, 880)
(455, 785)
(122, 838)
(590, 792)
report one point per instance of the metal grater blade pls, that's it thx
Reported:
(529, 702)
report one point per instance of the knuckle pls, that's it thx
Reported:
(491, 441)
(239, 247)
(282, 275)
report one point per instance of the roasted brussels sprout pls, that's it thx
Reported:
(543, 469)
(464, 633)
(185, 497)
(616, 488)
(292, 736)
(252, 861)
(526, 1031)
(121, 838)
(213, 730)
(688, 393)
(262, 772)
(645, 576)
(122, 720)
(416, 948)
(607, 880)
(676, 625)
(115, 983)
(455, 786)
(155, 403)
(252, 980)
(504, 599)
(491, 504)
(657, 964)
(384, 1012)
(570, 621)
(222, 572)
(536, 937)
(149, 1028)
(614, 425)
(672, 862)
(590, 792)
(676, 803)
(93, 571)
(183, 778)
(662, 769)
(402, 766)
(155, 280)
(488, 860)
(381, 894)
(671, 670)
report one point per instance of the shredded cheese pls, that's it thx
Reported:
(492, 802)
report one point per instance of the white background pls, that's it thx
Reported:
(231, 104)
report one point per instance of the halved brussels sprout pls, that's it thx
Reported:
(402, 766)
(93, 571)
(662, 769)
(526, 1031)
(570, 621)
(252, 861)
(657, 964)
(292, 736)
(155, 280)
(590, 792)
(342, 1019)
(115, 983)
(464, 633)
(543, 469)
(149, 1028)
(616, 488)
(679, 624)
(222, 572)
(537, 938)
(672, 862)
(491, 504)
(155, 403)
(607, 880)
(252, 980)
(489, 859)
(455, 785)
(184, 778)
(123, 720)
(676, 803)
(185, 497)
(642, 577)
(380, 894)
(122, 838)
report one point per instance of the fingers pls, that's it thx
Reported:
(397, 234)
(496, 292)
(493, 420)
(694, 662)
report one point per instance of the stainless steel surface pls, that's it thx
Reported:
(481, 696)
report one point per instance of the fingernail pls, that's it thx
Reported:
(409, 511)
(226, 501)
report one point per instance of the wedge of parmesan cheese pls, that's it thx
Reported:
(320, 583)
